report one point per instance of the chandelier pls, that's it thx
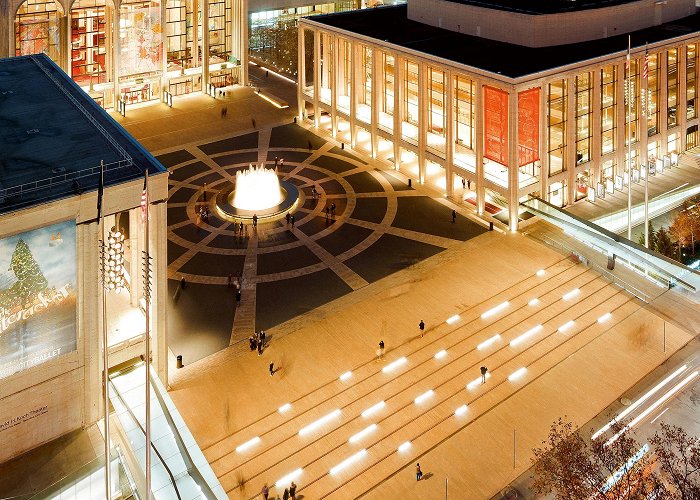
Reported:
(113, 261)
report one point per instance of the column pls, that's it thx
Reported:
(642, 131)
(164, 51)
(544, 143)
(513, 160)
(449, 134)
(681, 99)
(6, 37)
(398, 92)
(134, 256)
(479, 146)
(335, 43)
(205, 42)
(620, 119)
(662, 79)
(354, 77)
(423, 89)
(317, 77)
(570, 153)
(115, 53)
(159, 303)
(301, 80)
(243, 42)
(596, 127)
(90, 320)
(376, 55)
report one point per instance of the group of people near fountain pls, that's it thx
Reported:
(257, 341)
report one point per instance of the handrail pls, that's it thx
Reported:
(133, 417)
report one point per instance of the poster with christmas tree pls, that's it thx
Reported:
(37, 297)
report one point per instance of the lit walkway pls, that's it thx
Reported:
(568, 370)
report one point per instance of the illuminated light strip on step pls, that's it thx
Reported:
(318, 423)
(495, 310)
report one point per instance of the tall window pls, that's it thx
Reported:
(220, 31)
(38, 29)
(180, 32)
(464, 112)
(672, 100)
(631, 96)
(608, 78)
(436, 104)
(91, 41)
(411, 93)
(389, 79)
(691, 64)
(653, 96)
(366, 65)
(583, 117)
(556, 111)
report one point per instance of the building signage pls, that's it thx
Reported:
(20, 419)
(528, 126)
(496, 125)
(37, 297)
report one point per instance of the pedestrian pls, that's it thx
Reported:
(281, 162)
(421, 325)
(285, 495)
(262, 337)
(272, 369)
(253, 122)
(287, 217)
(238, 295)
(313, 192)
(240, 226)
(419, 473)
(381, 349)
(267, 74)
(276, 160)
(224, 93)
(454, 216)
(255, 221)
(230, 281)
(333, 210)
(253, 343)
(223, 113)
(183, 283)
(265, 492)
(291, 219)
(464, 183)
(293, 490)
(219, 93)
(260, 347)
(328, 212)
(484, 371)
(469, 184)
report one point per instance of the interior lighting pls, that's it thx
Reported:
(318, 423)
(373, 409)
(348, 461)
(566, 326)
(346, 376)
(488, 342)
(495, 310)
(423, 397)
(641, 400)
(517, 374)
(404, 446)
(275, 104)
(570, 295)
(113, 261)
(440, 354)
(248, 444)
(604, 317)
(534, 302)
(356, 437)
(540, 272)
(394, 365)
(284, 408)
(461, 410)
(653, 407)
(452, 319)
(477, 381)
(525, 336)
(285, 481)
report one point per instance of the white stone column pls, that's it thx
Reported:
(449, 134)
(317, 77)
(423, 89)
(159, 251)
(301, 80)
(335, 57)
(205, 43)
(570, 152)
(513, 160)
(479, 146)
(243, 42)
(354, 77)
(374, 122)
(398, 119)
(544, 143)
(90, 320)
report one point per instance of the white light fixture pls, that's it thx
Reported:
(285, 481)
(566, 326)
(525, 336)
(604, 317)
(348, 461)
(284, 408)
(452, 319)
(394, 365)
(318, 423)
(440, 354)
(461, 410)
(113, 261)
(488, 342)
(373, 409)
(356, 437)
(517, 374)
(540, 272)
(248, 444)
(570, 295)
(477, 381)
(404, 446)
(495, 310)
(346, 376)
(423, 397)
(533, 302)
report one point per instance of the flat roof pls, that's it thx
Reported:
(541, 7)
(54, 135)
(391, 25)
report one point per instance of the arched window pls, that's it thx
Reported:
(91, 49)
(38, 29)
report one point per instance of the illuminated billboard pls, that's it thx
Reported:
(37, 297)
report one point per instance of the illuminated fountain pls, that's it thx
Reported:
(257, 191)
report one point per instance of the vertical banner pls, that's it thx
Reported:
(528, 126)
(496, 125)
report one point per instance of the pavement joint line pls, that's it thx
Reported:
(204, 158)
(440, 241)
(244, 318)
(410, 403)
(191, 251)
(263, 144)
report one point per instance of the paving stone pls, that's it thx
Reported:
(294, 258)
(183, 173)
(370, 209)
(344, 238)
(423, 214)
(247, 141)
(171, 159)
(363, 182)
(205, 264)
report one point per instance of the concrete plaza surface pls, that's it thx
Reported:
(228, 398)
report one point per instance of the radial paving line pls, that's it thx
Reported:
(443, 366)
(193, 249)
(398, 411)
(263, 144)
(371, 361)
(244, 319)
(206, 159)
(410, 234)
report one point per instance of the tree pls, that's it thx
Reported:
(572, 467)
(664, 245)
(30, 279)
(679, 457)
(652, 237)
(681, 229)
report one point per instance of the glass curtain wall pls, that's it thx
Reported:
(672, 96)
(220, 42)
(437, 121)
(386, 111)
(365, 96)
(410, 97)
(608, 103)
(183, 46)
(38, 29)
(691, 78)
(631, 97)
(91, 48)
(653, 96)
(464, 122)
(556, 126)
(583, 117)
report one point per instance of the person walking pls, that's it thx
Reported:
(255, 221)
(419, 473)
(293, 490)
(272, 369)
(484, 371)
(454, 216)
(291, 219)
(464, 183)
(241, 228)
(328, 212)
(230, 281)
(252, 120)
(469, 184)
(421, 325)
(276, 160)
(238, 295)
(287, 217)
(281, 162)
(260, 347)
(262, 337)
(265, 492)
(285, 495)
(381, 349)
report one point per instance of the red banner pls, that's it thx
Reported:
(528, 126)
(496, 125)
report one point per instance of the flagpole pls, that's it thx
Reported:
(147, 284)
(629, 140)
(105, 339)
(646, 177)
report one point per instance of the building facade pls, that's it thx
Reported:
(133, 50)
(564, 123)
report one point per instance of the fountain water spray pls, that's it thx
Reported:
(257, 188)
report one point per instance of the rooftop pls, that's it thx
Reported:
(54, 136)
(539, 7)
(391, 25)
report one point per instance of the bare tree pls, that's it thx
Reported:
(679, 457)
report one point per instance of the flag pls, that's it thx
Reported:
(144, 198)
(100, 190)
